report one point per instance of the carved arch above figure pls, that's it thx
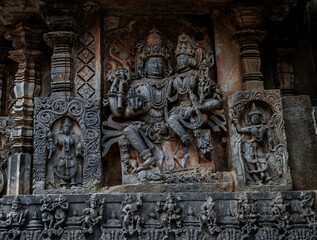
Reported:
(258, 141)
(86, 114)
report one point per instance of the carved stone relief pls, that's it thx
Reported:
(232, 216)
(66, 142)
(6, 142)
(166, 109)
(87, 79)
(258, 142)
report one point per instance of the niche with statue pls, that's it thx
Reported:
(66, 142)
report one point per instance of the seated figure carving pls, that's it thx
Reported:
(152, 111)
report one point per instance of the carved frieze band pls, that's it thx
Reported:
(234, 216)
(71, 142)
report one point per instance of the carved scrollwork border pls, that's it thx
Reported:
(87, 114)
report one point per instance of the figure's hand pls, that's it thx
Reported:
(136, 100)
(161, 128)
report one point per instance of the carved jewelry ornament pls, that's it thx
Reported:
(163, 123)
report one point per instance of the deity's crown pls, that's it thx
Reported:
(16, 200)
(67, 122)
(185, 45)
(254, 110)
(154, 45)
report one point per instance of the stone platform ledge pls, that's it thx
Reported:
(224, 182)
(183, 215)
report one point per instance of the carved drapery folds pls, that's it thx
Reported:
(166, 114)
(61, 22)
(66, 142)
(248, 19)
(258, 141)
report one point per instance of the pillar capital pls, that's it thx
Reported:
(22, 36)
(246, 16)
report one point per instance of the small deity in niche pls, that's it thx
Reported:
(69, 148)
(256, 149)
(17, 216)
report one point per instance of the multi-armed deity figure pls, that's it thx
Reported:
(147, 98)
(69, 147)
(191, 103)
(93, 214)
(159, 103)
(131, 220)
(256, 149)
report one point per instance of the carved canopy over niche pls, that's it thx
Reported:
(67, 132)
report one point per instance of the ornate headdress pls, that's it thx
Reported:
(185, 45)
(67, 122)
(155, 45)
(16, 200)
(255, 111)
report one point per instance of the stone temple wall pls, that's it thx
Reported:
(158, 120)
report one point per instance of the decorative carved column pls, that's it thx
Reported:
(26, 41)
(247, 19)
(61, 23)
(285, 71)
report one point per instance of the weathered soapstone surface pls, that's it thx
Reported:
(301, 141)
(163, 107)
(66, 142)
(258, 141)
(234, 216)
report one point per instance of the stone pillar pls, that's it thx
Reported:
(26, 41)
(61, 22)
(247, 19)
(226, 53)
(285, 70)
(301, 141)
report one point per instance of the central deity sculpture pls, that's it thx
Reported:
(69, 147)
(147, 98)
(159, 106)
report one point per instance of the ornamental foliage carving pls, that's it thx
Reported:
(66, 142)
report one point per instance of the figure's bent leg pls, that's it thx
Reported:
(136, 140)
(177, 127)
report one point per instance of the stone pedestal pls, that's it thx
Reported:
(301, 141)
